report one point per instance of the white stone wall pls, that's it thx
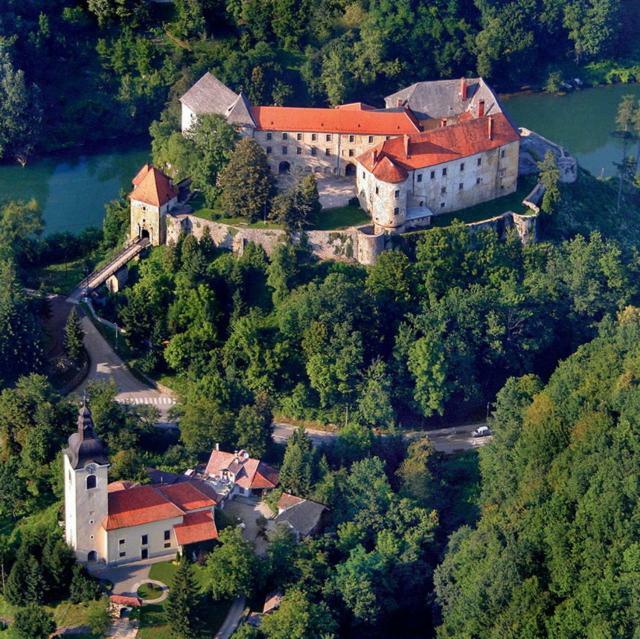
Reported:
(386, 202)
(132, 538)
(85, 510)
(188, 119)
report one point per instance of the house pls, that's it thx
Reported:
(122, 522)
(153, 196)
(240, 474)
(405, 181)
(302, 517)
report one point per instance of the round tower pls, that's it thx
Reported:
(85, 490)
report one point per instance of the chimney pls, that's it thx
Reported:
(405, 141)
(217, 445)
(481, 108)
(374, 155)
(490, 126)
(463, 89)
(443, 122)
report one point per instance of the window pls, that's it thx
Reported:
(298, 151)
(419, 177)
(268, 150)
(433, 175)
(460, 186)
(298, 136)
(443, 190)
(91, 537)
(314, 151)
(167, 544)
(91, 482)
(328, 137)
(121, 542)
(502, 153)
(350, 153)
(364, 175)
(268, 136)
(352, 138)
(285, 136)
(387, 137)
(144, 540)
(284, 150)
(396, 194)
(396, 211)
(91, 522)
(502, 172)
(123, 554)
(327, 151)
(167, 535)
(314, 137)
(478, 180)
(377, 190)
(370, 139)
(444, 172)
(421, 203)
(479, 162)
(441, 205)
(462, 166)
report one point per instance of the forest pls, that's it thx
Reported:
(112, 66)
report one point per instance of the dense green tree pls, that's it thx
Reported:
(182, 605)
(115, 225)
(73, 337)
(33, 622)
(415, 471)
(83, 587)
(253, 427)
(550, 179)
(246, 182)
(231, 567)
(296, 471)
(283, 268)
(25, 583)
(374, 403)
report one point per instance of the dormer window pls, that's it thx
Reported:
(91, 482)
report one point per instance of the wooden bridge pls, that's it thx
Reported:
(95, 279)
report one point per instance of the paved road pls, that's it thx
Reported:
(447, 440)
(232, 620)
(106, 364)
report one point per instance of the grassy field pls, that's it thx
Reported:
(152, 622)
(340, 217)
(149, 591)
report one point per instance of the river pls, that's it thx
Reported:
(581, 121)
(73, 188)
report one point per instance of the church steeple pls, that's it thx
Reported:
(84, 445)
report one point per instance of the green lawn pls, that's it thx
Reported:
(340, 217)
(152, 623)
(149, 591)
(487, 210)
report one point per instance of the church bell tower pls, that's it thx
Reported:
(85, 491)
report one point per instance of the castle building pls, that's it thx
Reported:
(120, 522)
(153, 196)
(436, 147)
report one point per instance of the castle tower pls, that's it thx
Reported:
(153, 196)
(85, 490)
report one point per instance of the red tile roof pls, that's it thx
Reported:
(250, 473)
(356, 106)
(287, 500)
(126, 600)
(152, 187)
(196, 527)
(390, 160)
(119, 485)
(140, 505)
(356, 121)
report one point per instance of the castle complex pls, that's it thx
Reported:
(436, 147)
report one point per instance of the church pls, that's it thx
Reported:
(117, 523)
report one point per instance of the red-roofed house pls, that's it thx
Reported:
(403, 182)
(153, 196)
(243, 474)
(122, 522)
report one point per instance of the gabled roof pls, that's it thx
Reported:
(138, 505)
(240, 112)
(443, 98)
(209, 95)
(356, 106)
(392, 159)
(287, 500)
(249, 473)
(126, 600)
(152, 187)
(196, 527)
(356, 121)
(303, 517)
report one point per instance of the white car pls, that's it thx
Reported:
(483, 431)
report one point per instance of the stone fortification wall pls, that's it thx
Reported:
(525, 225)
(533, 147)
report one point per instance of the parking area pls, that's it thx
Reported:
(335, 191)
(249, 511)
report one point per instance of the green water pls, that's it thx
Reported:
(580, 121)
(73, 188)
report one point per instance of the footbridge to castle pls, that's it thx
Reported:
(100, 276)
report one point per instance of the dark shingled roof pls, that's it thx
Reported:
(84, 445)
(441, 98)
(209, 95)
(303, 517)
(240, 112)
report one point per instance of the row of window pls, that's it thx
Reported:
(312, 151)
(314, 136)
(443, 190)
(144, 541)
